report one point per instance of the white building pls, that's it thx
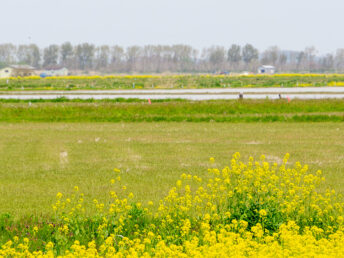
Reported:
(266, 69)
(17, 70)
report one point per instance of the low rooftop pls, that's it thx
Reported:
(23, 67)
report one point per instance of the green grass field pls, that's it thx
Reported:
(133, 110)
(37, 160)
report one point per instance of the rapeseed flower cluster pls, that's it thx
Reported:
(244, 209)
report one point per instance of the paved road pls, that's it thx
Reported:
(192, 94)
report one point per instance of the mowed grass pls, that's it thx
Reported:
(133, 110)
(37, 160)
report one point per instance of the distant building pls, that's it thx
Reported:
(54, 71)
(17, 70)
(266, 69)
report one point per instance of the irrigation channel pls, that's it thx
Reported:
(191, 94)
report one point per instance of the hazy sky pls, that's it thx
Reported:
(290, 24)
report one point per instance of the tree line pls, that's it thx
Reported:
(169, 58)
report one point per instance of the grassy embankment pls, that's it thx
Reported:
(170, 81)
(120, 110)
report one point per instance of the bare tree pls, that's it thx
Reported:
(249, 54)
(271, 55)
(85, 53)
(117, 58)
(147, 59)
(326, 63)
(7, 54)
(67, 54)
(339, 60)
(215, 57)
(234, 55)
(132, 55)
(282, 61)
(102, 57)
(183, 57)
(35, 54)
(300, 61)
(51, 54)
(29, 54)
(310, 54)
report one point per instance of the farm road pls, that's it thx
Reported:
(191, 94)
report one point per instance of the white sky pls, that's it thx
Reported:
(290, 24)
